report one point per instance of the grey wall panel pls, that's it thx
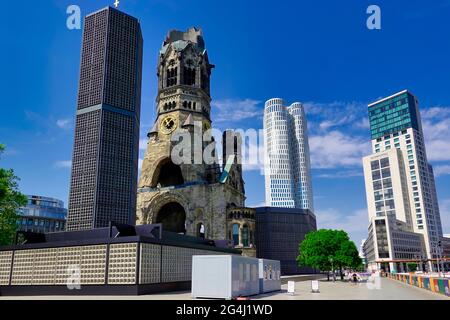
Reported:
(224, 276)
(269, 275)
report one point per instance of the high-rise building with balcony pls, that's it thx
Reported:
(105, 154)
(287, 163)
(401, 195)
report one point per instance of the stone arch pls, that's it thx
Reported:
(172, 216)
(159, 201)
(166, 174)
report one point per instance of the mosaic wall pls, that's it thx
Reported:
(54, 266)
(122, 263)
(177, 262)
(150, 267)
(57, 266)
(5, 267)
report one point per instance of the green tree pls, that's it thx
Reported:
(10, 201)
(412, 266)
(347, 256)
(328, 249)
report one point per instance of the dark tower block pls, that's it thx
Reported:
(105, 155)
(188, 197)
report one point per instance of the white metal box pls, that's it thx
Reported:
(269, 275)
(224, 276)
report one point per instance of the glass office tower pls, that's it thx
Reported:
(400, 188)
(287, 163)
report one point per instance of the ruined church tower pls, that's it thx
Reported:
(191, 197)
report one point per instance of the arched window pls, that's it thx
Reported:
(173, 217)
(235, 234)
(189, 76)
(245, 241)
(169, 175)
(172, 76)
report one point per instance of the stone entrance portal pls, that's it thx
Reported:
(173, 217)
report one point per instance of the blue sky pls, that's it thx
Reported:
(316, 52)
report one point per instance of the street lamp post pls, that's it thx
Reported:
(439, 247)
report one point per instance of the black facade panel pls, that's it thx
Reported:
(279, 232)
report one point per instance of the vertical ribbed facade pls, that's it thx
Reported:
(287, 161)
(105, 156)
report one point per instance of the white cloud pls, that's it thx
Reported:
(434, 112)
(363, 124)
(232, 110)
(143, 144)
(438, 150)
(341, 174)
(258, 204)
(63, 164)
(355, 223)
(441, 170)
(337, 113)
(335, 149)
(444, 207)
(328, 124)
(64, 123)
(436, 127)
(140, 161)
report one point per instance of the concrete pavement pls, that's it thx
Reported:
(388, 290)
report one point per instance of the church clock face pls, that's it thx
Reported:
(168, 125)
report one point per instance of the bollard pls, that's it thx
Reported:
(291, 287)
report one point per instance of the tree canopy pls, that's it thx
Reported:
(326, 249)
(10, 201)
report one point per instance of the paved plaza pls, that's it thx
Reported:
(388, 290)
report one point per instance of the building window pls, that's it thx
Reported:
(386, 172)
(376, 175)
(375, 164)
(235, 234)
(172, 76)
(189, 76)
(245, 235)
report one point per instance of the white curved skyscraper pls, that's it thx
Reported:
(287, 164)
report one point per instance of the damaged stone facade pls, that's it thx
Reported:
(192, 197)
